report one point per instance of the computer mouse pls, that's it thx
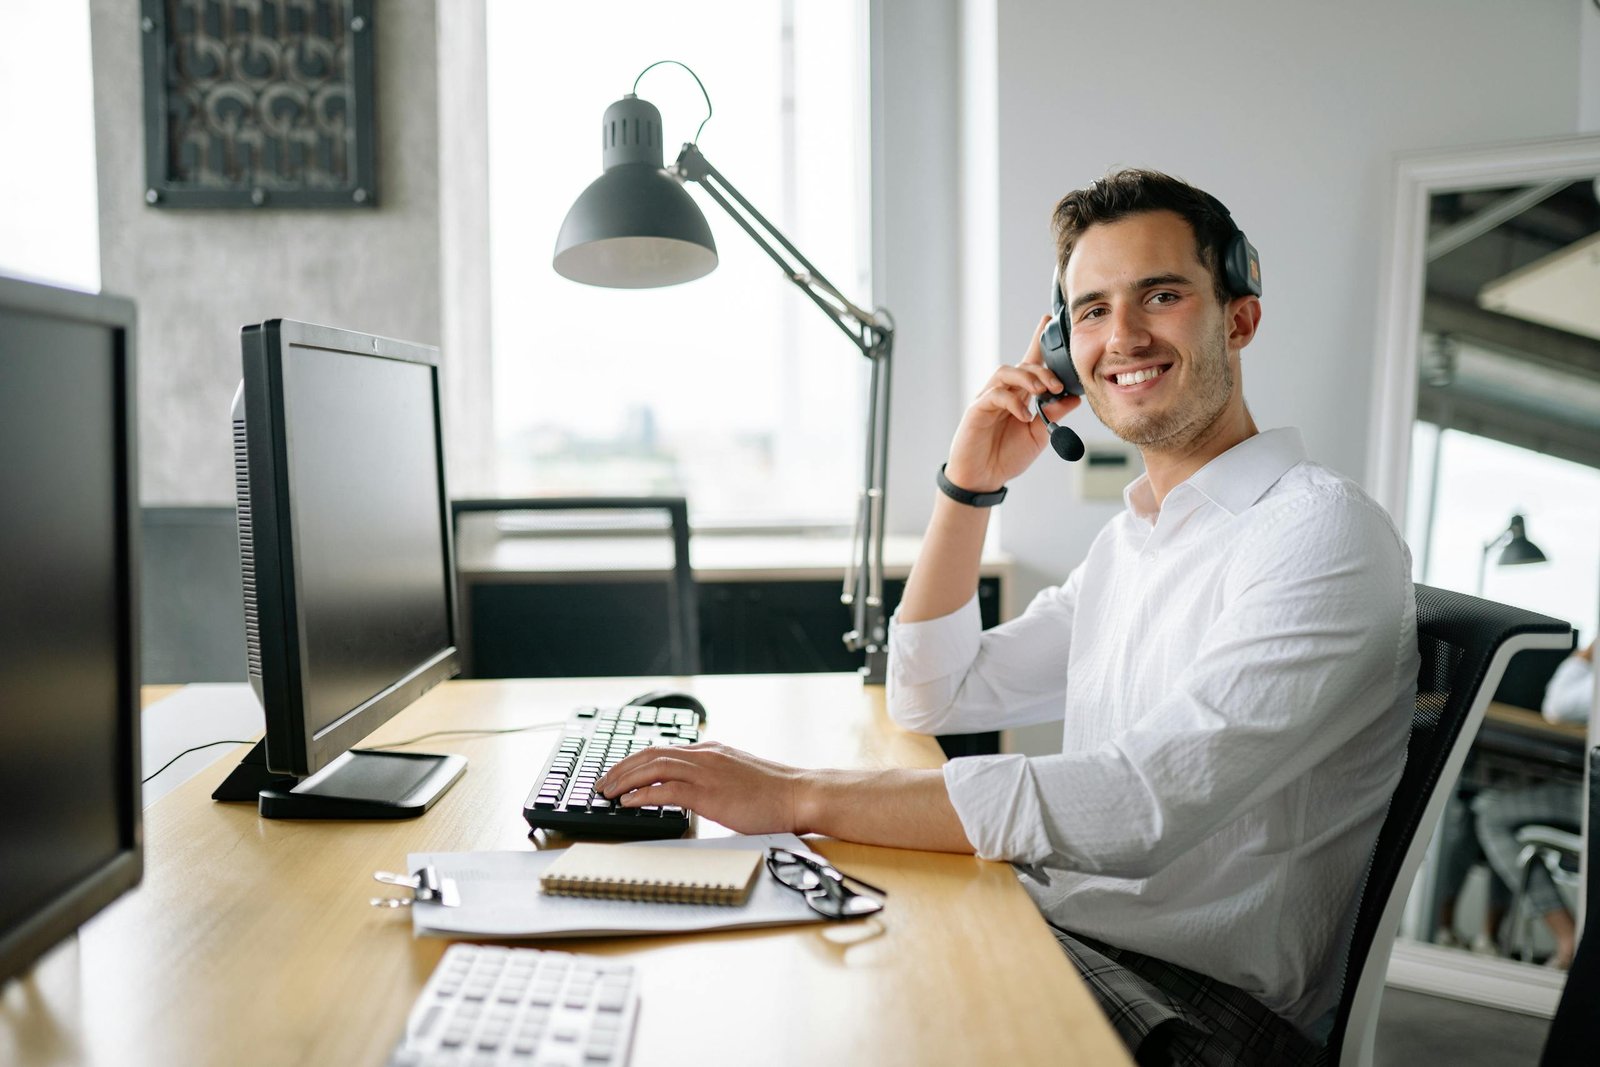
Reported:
(670, 698)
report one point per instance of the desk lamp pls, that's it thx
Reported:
(1517, 549)
(636, 227)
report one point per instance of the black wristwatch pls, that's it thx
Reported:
(967, 496)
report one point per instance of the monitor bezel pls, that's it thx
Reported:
(97, 889)
(292, 747)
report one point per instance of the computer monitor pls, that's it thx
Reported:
(70, 833)
(345, 545)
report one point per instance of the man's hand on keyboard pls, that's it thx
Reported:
(745, 793)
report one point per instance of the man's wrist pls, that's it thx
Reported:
(810, 792)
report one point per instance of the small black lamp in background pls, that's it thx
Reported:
(1515, 549)
(636, 227)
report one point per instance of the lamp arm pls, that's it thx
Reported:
(860, 325)
(872, 333)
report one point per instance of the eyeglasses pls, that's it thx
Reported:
(823, 884)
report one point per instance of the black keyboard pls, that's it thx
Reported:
(564, 797)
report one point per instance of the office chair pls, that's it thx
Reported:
(682, 651)
(1559, 852)
(1575, 1031)
(1465, 644)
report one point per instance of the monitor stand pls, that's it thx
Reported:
(360, 784)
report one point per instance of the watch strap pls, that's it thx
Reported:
(967, 496)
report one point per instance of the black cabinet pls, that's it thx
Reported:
(568, 629)
(580, 629)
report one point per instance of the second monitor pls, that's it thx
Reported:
(344, 539)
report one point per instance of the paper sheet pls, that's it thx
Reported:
(501, 898)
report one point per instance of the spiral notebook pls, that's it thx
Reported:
(636, 872)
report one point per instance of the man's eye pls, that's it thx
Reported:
(1164, 297)
(1093, 313)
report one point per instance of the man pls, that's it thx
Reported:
(1234, 662)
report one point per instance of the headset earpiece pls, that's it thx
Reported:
(1054, 342)
(1241, 263)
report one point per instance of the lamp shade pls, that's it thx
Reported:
(1519, 549)
(635, 226)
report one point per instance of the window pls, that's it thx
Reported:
(1481, 484)
(733, 390)
(49, 210)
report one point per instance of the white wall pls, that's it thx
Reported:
(1291, 112)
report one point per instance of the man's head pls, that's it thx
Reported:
(1131, 192)
(1154, 330)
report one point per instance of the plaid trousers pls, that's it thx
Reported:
(1168, 1014)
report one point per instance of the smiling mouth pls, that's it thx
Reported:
(1136, 377)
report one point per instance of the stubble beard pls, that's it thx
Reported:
(1187, 420)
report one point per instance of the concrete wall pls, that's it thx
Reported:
(412, 268)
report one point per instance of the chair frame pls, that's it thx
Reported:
(683, 627)
(1385, 888)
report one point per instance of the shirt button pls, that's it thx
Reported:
(1149, 556)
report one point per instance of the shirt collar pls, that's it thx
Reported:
(1234, 480)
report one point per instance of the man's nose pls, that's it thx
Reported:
(1129, 330)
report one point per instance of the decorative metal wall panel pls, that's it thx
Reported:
(259, 103)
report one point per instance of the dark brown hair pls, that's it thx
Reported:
(1131, 191)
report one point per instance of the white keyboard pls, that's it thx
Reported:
(523, 1006)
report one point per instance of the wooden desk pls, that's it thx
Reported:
(1524, 734)
(251, 941)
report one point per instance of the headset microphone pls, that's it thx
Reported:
(1068, 445)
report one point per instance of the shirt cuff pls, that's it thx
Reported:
(997, 801)
(927, 662)
(925, 651)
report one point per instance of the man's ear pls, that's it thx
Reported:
(1244, 317)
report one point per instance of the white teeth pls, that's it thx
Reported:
(1135, 377)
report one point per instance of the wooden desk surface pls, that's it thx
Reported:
(251, 941)
(1530, 720)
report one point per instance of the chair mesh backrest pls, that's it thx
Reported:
(1457, 637)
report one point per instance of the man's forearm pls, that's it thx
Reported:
(900, 808)
(945, 575)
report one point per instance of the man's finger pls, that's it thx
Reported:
(1035, 353)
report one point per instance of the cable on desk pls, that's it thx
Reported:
(471, 733)
(391, 744)
(185, 752)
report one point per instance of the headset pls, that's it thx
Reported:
(1241, 276)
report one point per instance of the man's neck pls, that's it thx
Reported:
(1169, 468)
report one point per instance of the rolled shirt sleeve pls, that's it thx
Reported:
(1570, 694)
(949, 675)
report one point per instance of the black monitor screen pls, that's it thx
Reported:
(345, 539)
(68, 798)
(363, 470)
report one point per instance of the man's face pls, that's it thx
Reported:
(1149, 339)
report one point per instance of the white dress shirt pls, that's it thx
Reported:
(1236, 671)
(1570, 692)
